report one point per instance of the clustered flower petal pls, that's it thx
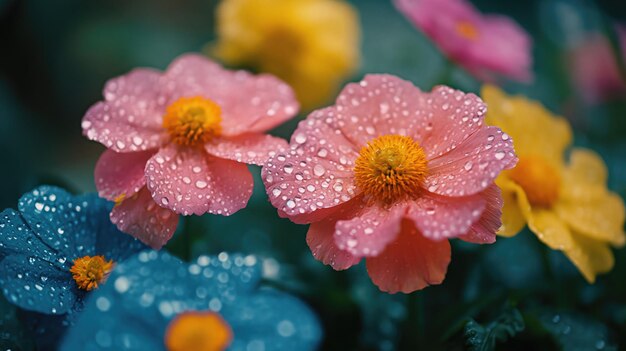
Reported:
(566, 204)
(179, 141)
(487, 46)
(389, 173)
(214, 303)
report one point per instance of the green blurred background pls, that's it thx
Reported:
(55, 57)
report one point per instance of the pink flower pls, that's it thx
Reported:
(595, 70)
(389, 174)
(485, 45)
(179, 142)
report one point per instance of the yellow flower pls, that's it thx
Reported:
(567, 205)
(313, 45)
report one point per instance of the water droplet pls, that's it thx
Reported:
(291, 204)
(300, 138)
(319, 170)
(468, 165)
(200, 184)
(288, 168)
(500, 155)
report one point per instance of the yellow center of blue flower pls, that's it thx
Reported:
(89, 272)
(198, 331)
(390, 168)
(192, 121)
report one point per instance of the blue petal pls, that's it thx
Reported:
(271, 320)
(16, 237)
(58, 219)
(150, 289)
(37, 285)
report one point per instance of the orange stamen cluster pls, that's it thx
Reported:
(198, 331)
(192, 121)
(89, 272)
(390, 168)
(467, 30)
(539, 179)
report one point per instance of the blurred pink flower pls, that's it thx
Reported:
(595, 70)
(390, 173)
(179, 142)
(485, 45)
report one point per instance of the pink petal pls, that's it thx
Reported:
(142, 218)
(409, 263)
(249, 103)
(322, 244)
(130, 118)
(247, 148)
(368, 233)
(120, 174)
(440, 217)
(315, 174)
(384, 104)
(473, 165)
(484, 230)
(190, 181)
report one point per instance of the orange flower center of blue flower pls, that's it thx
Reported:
(89, 272)
(198, 331)
(391, 168)
(192, 121)
(539, 179)
(467, 30)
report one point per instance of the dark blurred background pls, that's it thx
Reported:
(55, 57)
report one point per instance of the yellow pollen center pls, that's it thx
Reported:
(467, 30)
(192, 121)
(391, 168)
(539, 180)
(89, 272)
(198, 331)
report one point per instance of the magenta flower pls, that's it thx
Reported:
(595, 70)
(179, 142)
(389, 174)
(485, 45)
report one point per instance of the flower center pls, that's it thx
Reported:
(467, 30)
(198, 331)
(192, 121)
(539, 180)
(89, 272)
(390, 168)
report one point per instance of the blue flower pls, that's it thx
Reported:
(40, 243)
(147, 296)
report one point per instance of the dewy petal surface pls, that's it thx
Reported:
(438, 217)
(321, 241)
(248, 148)
(120, 174)
(37, 285)
(249, 103)
(484, 230)
(383, 104)
(409, 263)
(473, 165)
(369, 232)
(142, 218)
(130, 117)
(190, 181)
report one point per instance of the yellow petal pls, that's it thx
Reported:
(601, 218)
(550, 229)
(590, 256)
(514, 209)
(586, 166)
(534, 129)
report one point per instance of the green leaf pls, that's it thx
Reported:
(484, 338)
(575, 332)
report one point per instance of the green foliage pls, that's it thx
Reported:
(484, 338)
